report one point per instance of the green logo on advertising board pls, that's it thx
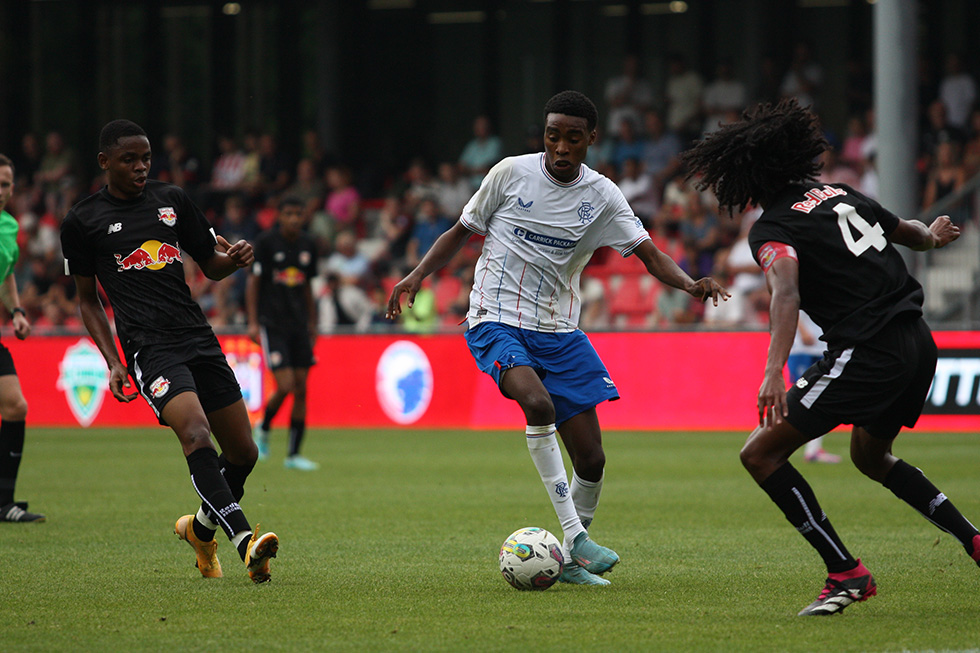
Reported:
(83, 378)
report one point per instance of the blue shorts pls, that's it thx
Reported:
(567, 363)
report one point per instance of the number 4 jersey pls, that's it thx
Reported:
(852, 279)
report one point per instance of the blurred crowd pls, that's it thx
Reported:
(369, 238)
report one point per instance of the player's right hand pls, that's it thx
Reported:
(118, 382)
(254, 333)
(410, 285)
(944, 231)
(772, 400)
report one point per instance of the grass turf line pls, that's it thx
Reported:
(392, 545)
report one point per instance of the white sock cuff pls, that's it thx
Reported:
(205, 521)
(538, 431)
(584, 483)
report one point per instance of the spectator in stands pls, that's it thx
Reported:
(419, 181)
(430, 223)
(852, 151)
(804, 77)
(308, 188)
(452, 191)
(946, 176)
(58, 168)
(722, 97)
(833, 172)
(627, 95)
(228, 172)
(971, 149)
(660, 150)
(27, 166)
(958, 91)
(746, 280)
(344, 306)
(481, 152)
(346, 262)
(343, 203)
(638, 189)
(275, 166)
(176, 164)
(938, 130)
(395, 228)
(699, 233)
(674, 306)
(314, 150)
(683, 95)
(628, 145)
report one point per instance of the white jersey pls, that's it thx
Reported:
(799, 347)
(540, 233)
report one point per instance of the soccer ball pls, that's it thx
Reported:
(531, 559)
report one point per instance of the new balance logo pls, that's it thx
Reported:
(114, 227)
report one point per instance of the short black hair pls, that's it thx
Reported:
(6, 162)
(290, 200)
(115, 130)
(573, 103)
(752, 159)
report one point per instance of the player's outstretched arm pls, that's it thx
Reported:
(917, 236)
(667, 271)
(227, 258)
(784, 313)
(97, 324)
(441, 252)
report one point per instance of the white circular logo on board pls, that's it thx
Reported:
(403, 382)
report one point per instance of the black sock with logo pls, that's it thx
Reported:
(216, 495)
(909, 484)
(790, 491)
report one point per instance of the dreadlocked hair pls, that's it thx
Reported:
(749, 161)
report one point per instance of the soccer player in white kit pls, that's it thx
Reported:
(543, 215)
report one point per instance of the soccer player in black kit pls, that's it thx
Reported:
(131, 236)
(282, 318)
(829, 250)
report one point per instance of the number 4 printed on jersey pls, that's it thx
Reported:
(871, 236)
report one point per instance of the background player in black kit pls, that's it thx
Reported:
(283, 319)
(131, 236)
(829, 250)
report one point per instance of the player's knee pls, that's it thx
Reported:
(538, 408)
(589, 465)
(14, 410)
(751, 457)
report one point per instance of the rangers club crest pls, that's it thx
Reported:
(167, 215)
(585, 212)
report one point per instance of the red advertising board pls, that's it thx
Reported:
(668, 381)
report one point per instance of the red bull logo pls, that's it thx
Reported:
(152, 255)
(167, 215)
(290, 277)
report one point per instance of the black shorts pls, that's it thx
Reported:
(197, 365)
(6, 361)
(880, 385)
(287, 348)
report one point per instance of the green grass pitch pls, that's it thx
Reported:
(392, 546)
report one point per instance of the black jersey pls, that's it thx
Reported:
(134, 248)
(852, 279)
(285, 269)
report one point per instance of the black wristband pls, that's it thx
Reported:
(17, 309)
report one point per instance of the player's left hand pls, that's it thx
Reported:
(708, 287)
(944, 231)
(241, 252)
(22, 328)
(410, 285)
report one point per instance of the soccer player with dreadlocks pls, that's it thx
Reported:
(829, 250)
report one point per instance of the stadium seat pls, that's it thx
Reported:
(632, 300)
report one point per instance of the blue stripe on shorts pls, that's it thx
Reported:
(569, 367)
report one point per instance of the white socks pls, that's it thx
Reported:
(585, 496)
(813, 447)
(543, 446)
